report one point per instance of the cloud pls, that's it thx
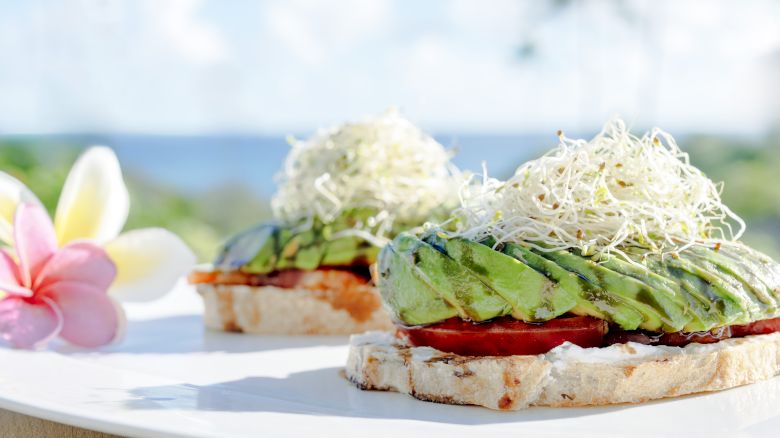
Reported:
(189, 66)
(180, 26)
(675, 64)
(95, 65)
(502, 21)
(482, 90)
(315, 30)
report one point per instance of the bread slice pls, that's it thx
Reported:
(566, 376)
(294, 311)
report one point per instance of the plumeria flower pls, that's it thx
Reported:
(51, 291)
(93, 209)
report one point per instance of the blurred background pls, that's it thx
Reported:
(197, 97)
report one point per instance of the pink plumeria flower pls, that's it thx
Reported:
(51, 291)
(93, 208)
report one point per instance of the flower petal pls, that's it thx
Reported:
(29, 325)
(10, 278)
(149, 263)
(94, 202)
(121, 329)
(12, 193)
(89, 318)
(34, 240)
(83, 262)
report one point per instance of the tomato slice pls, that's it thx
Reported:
(763, 327)
(681, 339)
(506, 336)
(285, 278)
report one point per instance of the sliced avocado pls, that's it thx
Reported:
(310, 250)
(533, 296)
(245, 247)
(476, 299)
(370, 253)
(660, 311)
(760, 267)
(591, 299)
(718, 302)
(340, 251)
(738, 305)
(287, 246)
(760, 302)
(429, 279)
(702, 317)
(264, 260)
(304, 244)
(410, 298)
(735, 273)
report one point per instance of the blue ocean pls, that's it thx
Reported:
(196, 163)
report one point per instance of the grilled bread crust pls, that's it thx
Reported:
(564, 377)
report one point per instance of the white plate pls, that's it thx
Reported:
(170, 378)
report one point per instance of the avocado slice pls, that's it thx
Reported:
(735, 274)
(477, 301)
(591, 299)
(340, 251)
(408, 295)
(286, 245)
(271, 247)
(660, 310)
(532, 296)
(757, 268)
(719, 302)
(738, 306)
(702, 317)
(265, 257)
(253, 249)
(310, 250)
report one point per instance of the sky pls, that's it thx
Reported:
(190, 67)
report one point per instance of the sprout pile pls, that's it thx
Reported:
(601, 196)
(384, 165)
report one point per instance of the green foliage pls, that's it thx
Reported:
(42, 170)
(749, 170)
(201, 221)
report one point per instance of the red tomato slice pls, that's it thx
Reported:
(756, 328)
(680, 339)
(506, 336)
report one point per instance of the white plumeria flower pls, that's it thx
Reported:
(93, 206)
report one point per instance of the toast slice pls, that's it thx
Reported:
(566, 376)
(293, 311)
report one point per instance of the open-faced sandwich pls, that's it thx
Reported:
(606, 271)
(341, 195)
